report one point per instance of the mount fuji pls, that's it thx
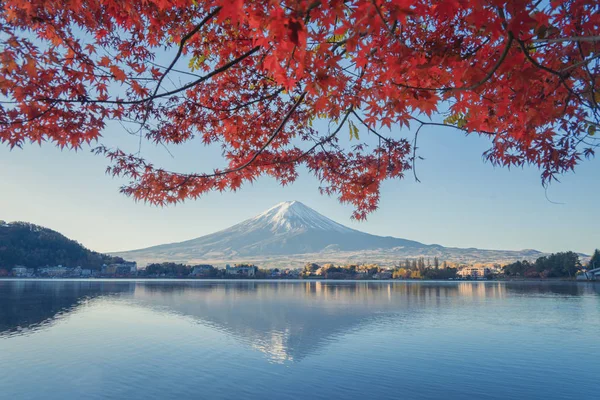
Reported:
(291, 234)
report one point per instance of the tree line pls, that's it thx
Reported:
(34, 246)
(557, 265)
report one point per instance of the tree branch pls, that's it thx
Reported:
(257, 153)
(568, 39)
(204, 78)
(490, 73)
(181, 46)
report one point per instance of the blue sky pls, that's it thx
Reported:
(461, 200)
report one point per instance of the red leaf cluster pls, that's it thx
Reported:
(252, 76)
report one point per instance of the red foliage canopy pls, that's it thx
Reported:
(257, 73)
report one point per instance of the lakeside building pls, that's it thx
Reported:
(241, 270)
(589, 275)
(59, 270)
(123, 269)
(383, 275)
(132, 265)
(474, 272)
(108, 269)
(19, 271)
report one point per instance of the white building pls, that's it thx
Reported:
(474, 272)
(19, 271)
(53, 271)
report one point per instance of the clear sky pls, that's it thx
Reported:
(461, 200)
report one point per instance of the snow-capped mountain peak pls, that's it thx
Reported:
(291, 233)
(293, 215)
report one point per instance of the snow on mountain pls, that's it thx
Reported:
(293, 233)
(293, 215)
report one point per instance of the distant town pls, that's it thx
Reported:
(559, 265)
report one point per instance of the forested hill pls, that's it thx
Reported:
(33, 246)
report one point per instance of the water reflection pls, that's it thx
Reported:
(285, 320)
(30, 305)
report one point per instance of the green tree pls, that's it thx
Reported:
(595, 260)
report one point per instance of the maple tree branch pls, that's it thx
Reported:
(243, 105)
(23, 121)
(590, 75)
(414, 155)
(579, 64)
(536, 63)
(204, 78)
(510, 39)
(381, 16)
(560, 75)
(369, 128)
(317, 144)
(424, 123)
(256, 154)
(182, 43)
(568, 39)
(421, 122)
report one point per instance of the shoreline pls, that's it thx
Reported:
(165, 279)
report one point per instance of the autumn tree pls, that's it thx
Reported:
(251, 78)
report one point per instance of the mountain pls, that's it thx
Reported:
(291, 234)
(34, 246)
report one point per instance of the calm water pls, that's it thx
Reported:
(288, 340)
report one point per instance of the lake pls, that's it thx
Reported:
(154, 339)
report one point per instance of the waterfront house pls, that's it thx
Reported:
(383, 275)
(19, 271)
(241, 270)
(474, 272)
(57, 271)
(109, 269)
(122, 270)
(132, 265)
(589, 274)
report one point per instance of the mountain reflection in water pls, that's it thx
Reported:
(144, 340)
(286, 320)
